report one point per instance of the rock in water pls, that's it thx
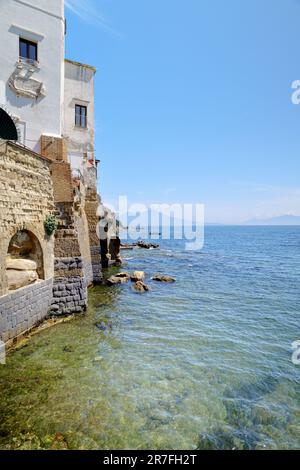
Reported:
(163, 278)
(140, 287)
(101, 326)
(125, 276)
(17, 279)
(114, 280)
(147, 246)
(138, 276)
(20, 264)
(127, 246)
(119, 260)
(98, 359)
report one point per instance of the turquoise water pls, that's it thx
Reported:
(204, 363)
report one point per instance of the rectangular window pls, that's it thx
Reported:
(28, 50)
(80, 116)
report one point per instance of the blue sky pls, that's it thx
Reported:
(193, 101)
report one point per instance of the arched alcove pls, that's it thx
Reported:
(24, 260)
(8, 130)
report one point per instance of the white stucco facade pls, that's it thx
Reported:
(79, 90)
(41, 95)
(32, 92)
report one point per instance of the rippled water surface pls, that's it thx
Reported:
(202, 363)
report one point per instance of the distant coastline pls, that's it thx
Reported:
(279, 220)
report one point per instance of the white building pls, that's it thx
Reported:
(78, 126)
(46, 95)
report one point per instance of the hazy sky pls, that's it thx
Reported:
(193, 101)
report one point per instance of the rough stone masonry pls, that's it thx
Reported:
(33, 187)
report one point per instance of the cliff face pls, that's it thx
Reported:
(108, 233)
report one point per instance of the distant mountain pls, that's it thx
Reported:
(280, 220)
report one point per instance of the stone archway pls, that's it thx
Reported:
(24, 260)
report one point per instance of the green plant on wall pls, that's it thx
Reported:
(50, 224)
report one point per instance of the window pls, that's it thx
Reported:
(80, 116)
(28, 50)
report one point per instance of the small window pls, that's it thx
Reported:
(80, 116)
(28, 50)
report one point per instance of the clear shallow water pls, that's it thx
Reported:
(203, 363)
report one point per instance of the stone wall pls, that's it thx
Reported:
(23, 309)
(54, 148)
(69, 287)
(66, 236)
(84, 244)
(96, 264)
(61, 175)
(26, 198)
(70, 282)
(92, 201)
(31, 188)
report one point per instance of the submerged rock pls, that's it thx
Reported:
(114, 280)
(101, 326)
(68, 349)
(98, 359)
(123, 275)
(140, 287)
(163, 278)
(104, 326)
(138, 276)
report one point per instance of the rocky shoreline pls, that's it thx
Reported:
(138, 280)
(140, 244)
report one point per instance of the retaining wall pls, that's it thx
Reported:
(21, 310)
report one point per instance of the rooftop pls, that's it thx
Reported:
(79, 64)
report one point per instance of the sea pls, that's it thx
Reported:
(208, 362)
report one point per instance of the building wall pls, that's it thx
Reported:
(82, 228)
(92, 201)
(26, 198)
(23, 309)
(37, 180)
(62, 182)
(69, 287)
(41, 21)
(79, 89)
(71, 277)
(54, 148)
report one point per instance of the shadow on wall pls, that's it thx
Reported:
(24, 260)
